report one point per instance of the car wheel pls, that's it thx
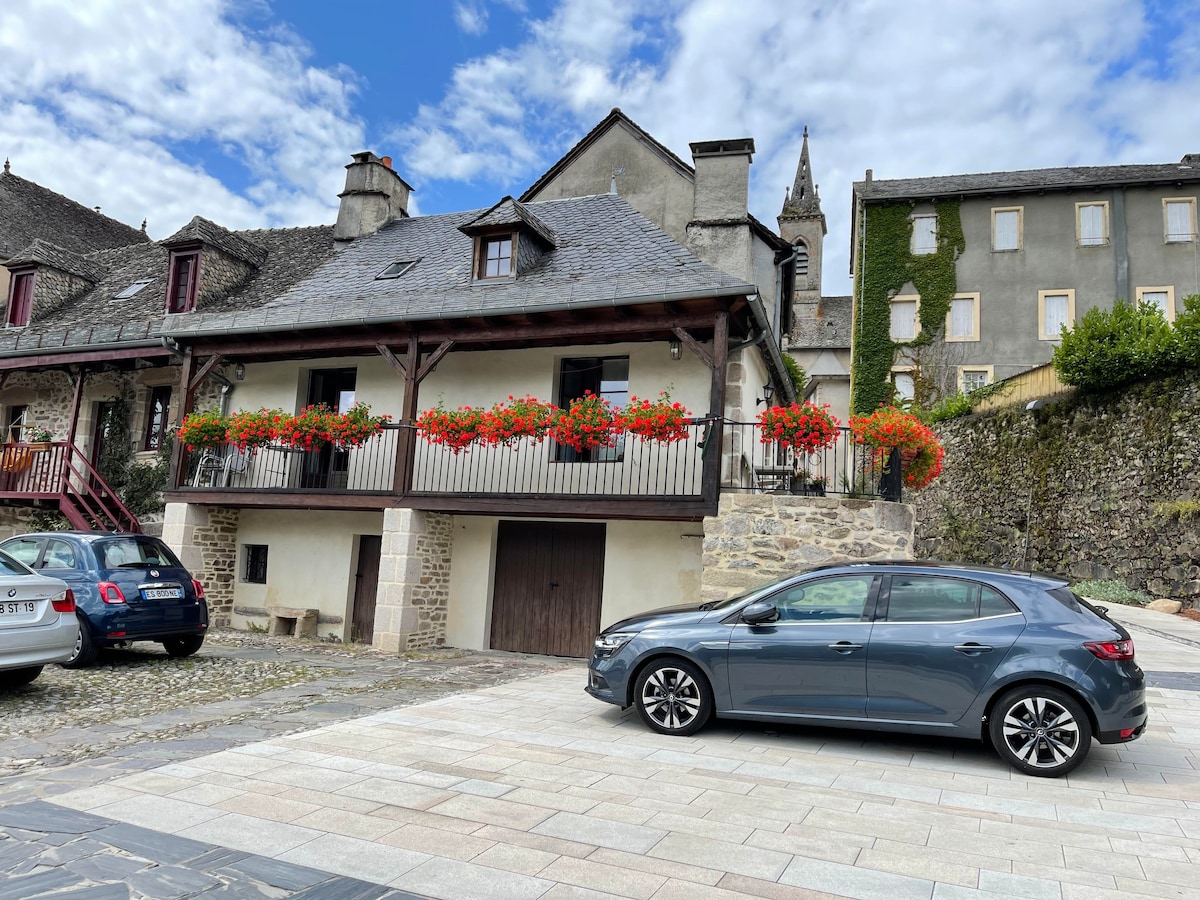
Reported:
(85, 650)
(1040, 731)
(673, 697)
(15, 678)
(183, 646)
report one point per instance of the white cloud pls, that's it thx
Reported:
(471, 17)
(106, 101)
(906, 89)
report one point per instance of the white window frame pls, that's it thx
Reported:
(1020, 211)
(1168, 289)
(1191, 236)
(1106, 238)
(902, 370)
(963, 370)
(915, 299)
(974, 335)
(1042, 295)
(912, 240)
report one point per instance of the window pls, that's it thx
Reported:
(801, 261)
(1056, 309)
(971, 378)
(606, 377)
(962, 321)
(132, 289)
(1007, 227)
(25, 550)
(20, 299)
(59, 555)
(1162, 297)
(1180, 216)
(904, 325)
(1091, 224)
(827, 600)
(14, 424)
(157, 415)
(921, 598)
(256, 563)
(495, 257)
(396, 269)
(924, 235)
(903, 384)
(181, 283)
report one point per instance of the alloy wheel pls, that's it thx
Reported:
(671, 698)
(1041, 732)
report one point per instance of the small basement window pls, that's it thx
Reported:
(256, 563)
(398, 268)
(132, 289)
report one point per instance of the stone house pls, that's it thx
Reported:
(972, 277)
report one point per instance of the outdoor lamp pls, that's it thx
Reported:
(676, 346)
(239, 372)
(768, 393)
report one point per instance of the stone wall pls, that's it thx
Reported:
(414, 580)
(205, 539)
(755, 538)
(52, 288)
(1106, 486)
(47, 394)
(220, 273)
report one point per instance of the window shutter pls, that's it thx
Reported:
(905, 387)
(1179, 222)
(1091, 225)
(962, 318)
(1056, 315)
(1156, 298)
(1006, 230)
(904, 320)
(924, 239)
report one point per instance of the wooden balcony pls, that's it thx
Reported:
(58, 475)
(634, 479)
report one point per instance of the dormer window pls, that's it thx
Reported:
(183, 280)
(495, 256)
(20, 299)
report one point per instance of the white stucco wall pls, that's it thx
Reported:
(310, 562)
(646, 565)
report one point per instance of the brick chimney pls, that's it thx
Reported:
(374, 196)
(722, 179)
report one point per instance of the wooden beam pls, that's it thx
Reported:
(434, 358)
(683, 509)
(692, 344)
(76, 400)
(393, 360)
(710, 478)
(73, 357)
(406, 443)
(186, 399)
(212, 362)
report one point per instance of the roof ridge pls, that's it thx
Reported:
(89, 210)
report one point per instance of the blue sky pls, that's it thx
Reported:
(245, 111)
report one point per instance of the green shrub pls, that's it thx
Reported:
(1110, 592)
(796, 375)
(1111, 348)
(1178, 510)
(1187, 328)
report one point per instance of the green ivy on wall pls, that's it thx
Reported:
(885, 265)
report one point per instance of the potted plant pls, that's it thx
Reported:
(204, 430)
(357, 425)
(803, 427)
(515, 418)
(889, 429)
(38, 439)
(249, 430)
(587, 424)
(656, 420)
(452, 428)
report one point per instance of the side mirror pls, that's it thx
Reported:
(760, 613)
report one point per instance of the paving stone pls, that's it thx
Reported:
(41, 816)
(106, 867)
(170, 882)
(272, 871)
(94, 892)
(153, 845)
(44, 882)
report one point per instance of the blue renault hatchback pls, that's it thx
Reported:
(1013, 658)
(127, 587)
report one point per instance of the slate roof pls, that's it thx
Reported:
(1188, 169)
(98, 318)
(30, 212)
(511, 212)
(829, 329)
(57, 257)
(201, 230)
(607, 254)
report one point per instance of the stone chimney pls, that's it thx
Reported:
(374, 196)
(722, 179)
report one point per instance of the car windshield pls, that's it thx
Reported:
(135, 551)
(11, 566)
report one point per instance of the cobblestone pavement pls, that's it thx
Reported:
(524, 788)
(139, 709)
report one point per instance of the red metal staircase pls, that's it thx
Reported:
(59, 472)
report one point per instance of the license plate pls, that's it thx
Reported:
(163, 593)
(18, 608)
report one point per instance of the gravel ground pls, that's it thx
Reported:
(240, 685)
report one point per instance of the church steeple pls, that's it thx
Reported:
(803, 202)
(802, 224)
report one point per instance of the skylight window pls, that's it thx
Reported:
(398, 268)
(132, 289)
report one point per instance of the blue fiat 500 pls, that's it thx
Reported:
(128, 587)
(1013, 658)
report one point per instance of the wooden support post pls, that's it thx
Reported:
(714, 457)
(76, 401)
(406, 446)
(186, 399)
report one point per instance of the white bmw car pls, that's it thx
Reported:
(37, 622)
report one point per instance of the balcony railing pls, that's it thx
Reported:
(632, 469)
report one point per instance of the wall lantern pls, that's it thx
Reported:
(676, 346)
(768, 393)
(239, 372)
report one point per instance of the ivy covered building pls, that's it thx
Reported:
(964, 280)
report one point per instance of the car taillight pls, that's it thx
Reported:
(64, 602)
(199, 588)
(1111, 649)
(110, 593)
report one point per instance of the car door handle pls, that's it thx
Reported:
(844, 647)
(972, 649)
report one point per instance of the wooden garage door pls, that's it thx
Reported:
(549, 578)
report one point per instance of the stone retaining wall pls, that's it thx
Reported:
(205, 539)
(414, 580)
(758, 537)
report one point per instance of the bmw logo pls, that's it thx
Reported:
(12, 592)
(154, 573)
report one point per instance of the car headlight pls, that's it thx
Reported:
(610, 643)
